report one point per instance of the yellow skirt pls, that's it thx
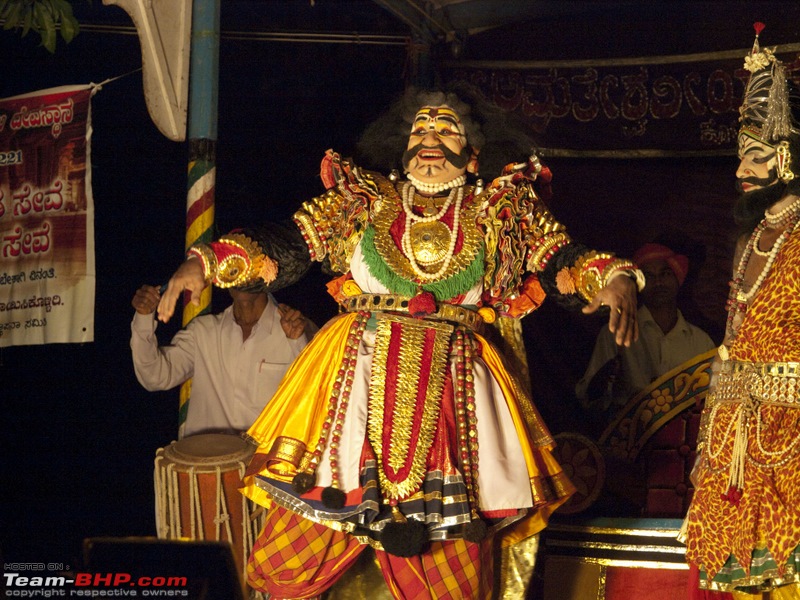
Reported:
(290, 426)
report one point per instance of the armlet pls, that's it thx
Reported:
(592, 272)
(234, 261)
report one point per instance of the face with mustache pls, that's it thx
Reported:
(437, 150)
(757, 164)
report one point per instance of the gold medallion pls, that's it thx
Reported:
(430, 242)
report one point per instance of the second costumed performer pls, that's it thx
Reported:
(401, 426)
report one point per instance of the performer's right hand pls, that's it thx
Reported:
(188, 277)
(146, 299)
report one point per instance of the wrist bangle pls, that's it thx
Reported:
(625, 267)
(589, 273)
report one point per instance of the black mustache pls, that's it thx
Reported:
(759, 181)
(457, 160)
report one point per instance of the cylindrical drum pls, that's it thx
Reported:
(197, 496)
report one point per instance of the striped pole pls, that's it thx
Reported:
(203, 78)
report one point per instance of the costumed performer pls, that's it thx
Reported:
(400, 426)
(742, 529)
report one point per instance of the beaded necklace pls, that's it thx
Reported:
(781, 217)
(738, 299)
(757, 242)
(412, 219)
(435, 188)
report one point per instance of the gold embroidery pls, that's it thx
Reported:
(399, 452)
(393, 256)
(288, 450)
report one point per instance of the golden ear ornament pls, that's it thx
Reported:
(784, 159)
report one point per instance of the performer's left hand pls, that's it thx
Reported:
(620, 296)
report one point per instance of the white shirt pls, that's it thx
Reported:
(232, 380)
(652, 355)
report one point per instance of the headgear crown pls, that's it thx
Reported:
(766, 112)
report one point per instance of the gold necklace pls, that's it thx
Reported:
(426, 240)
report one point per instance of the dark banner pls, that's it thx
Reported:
(655, 106)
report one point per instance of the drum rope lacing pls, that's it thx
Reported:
(168, 507)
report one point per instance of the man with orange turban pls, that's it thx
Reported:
(615, 373)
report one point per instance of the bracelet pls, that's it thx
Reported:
(624, 267)
(588, 273)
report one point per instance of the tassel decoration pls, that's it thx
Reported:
(476, 530)
(402, 537)
(303, 482)
(333, 497)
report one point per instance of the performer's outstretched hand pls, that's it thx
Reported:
(620, 296)
(189, 276)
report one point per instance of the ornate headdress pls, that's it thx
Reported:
(766, 113)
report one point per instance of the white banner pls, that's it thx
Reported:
(47, 268)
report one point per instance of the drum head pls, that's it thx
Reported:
(209, 448)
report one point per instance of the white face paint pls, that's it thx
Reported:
(437, 141)
(756, 160)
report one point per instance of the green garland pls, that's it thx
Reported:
(443, 290)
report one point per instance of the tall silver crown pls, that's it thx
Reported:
(766, 110)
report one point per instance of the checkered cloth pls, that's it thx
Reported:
(297, 558)
(447, 570)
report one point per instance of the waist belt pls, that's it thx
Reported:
(399, 304)
(769, 382)
(773, 369)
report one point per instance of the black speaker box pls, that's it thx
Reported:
(161, 568)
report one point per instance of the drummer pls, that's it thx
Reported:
(236, 358)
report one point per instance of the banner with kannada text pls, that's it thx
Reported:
(47, 266)
(651, 106)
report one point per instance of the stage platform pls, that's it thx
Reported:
(612, 559)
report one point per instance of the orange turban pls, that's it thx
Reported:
(650, 252)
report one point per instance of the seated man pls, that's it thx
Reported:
(236, 358)
(666, 340)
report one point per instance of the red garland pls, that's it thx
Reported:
(734, 495)
(422, 305)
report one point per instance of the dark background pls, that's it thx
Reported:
(79, 434)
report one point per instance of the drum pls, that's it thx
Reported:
(197, 496)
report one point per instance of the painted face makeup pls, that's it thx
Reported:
(757, 164)
(437, 149)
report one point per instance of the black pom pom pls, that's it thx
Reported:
(475, 531)
(333, 497)
(404, 539)
(303, 482)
